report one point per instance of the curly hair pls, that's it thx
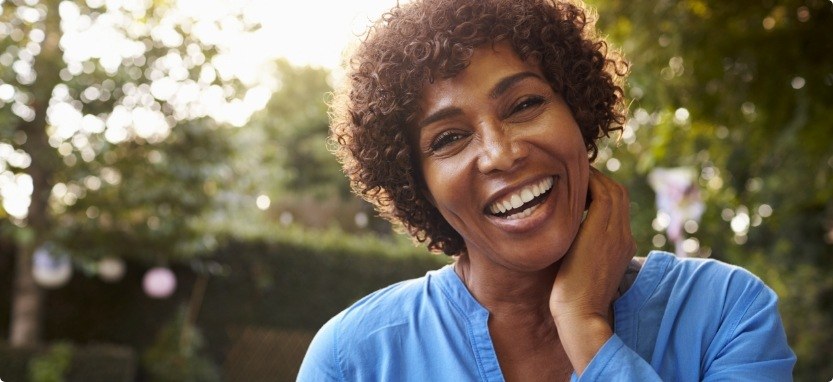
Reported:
(415, 43)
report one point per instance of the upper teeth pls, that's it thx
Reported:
(524, 195)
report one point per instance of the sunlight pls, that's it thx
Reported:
(16, 191)
(314, 32)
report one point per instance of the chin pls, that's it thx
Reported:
(535, 262)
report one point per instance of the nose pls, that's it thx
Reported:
(500, 151)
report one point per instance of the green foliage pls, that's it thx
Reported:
(116, 144)
(53, 365)
(149, 199)
(296, 117)
(100, 183)
(283, 148)
(299, 278)
(282, 154)
(177, 354)
(294, 279)
(63, 361)
(740, 91)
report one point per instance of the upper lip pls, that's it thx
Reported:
(507, 190)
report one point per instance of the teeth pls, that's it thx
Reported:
(517, 199)
(526, 195)
(522, 214)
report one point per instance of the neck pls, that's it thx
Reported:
(509, 295)
(520, 323)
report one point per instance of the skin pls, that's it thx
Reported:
(548, 279)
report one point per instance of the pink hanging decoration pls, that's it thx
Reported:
(159, 282)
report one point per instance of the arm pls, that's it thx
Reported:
(616, 362)
(752, 345)
(746, 343)
(589, 274)
(320, 362)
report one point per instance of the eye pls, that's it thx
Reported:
(526, 104)
(444, 139)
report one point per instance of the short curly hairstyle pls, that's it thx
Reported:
(415, 43)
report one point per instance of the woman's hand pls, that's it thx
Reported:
(591, 271)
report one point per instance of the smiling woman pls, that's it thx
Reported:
(498, 130)
(472, 125)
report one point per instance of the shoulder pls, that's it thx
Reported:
(360, 334)
(700, 288)
(393, 304)
(720, 319)
(704, 275)
(388, 306)
(668, 286)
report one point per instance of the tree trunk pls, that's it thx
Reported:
(26, 305)
(26, 297)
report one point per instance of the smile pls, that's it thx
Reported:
(523, 202)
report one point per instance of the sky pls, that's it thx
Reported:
(312, 31)
(306, 32)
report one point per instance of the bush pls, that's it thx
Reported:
(71, 363)
(177, 355)
(292, 281)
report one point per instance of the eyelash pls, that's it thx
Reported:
(526, 104)
(444, 139)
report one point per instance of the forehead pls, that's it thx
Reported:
(489, 64)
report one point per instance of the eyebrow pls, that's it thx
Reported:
(501, 87)
(507, 82)
(441, 114)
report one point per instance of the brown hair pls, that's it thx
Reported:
(415, 43)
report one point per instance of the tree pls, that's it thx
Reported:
(282, 170)
(740, 92)
(106, 106)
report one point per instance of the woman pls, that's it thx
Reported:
(472, 124)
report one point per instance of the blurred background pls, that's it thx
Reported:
(170, 211)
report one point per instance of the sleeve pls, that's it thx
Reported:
(617, 362)
(321, 361)
(748, 342)
(754, 345)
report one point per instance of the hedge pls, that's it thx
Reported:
(293, 280)
(91, 363)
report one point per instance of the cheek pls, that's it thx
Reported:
(584, 184)
(443, 192)
(447, 189)
(582, 163)
(435, 179)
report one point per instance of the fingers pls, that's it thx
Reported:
(617, 199)
(592, 270)
(609, 202)
(608, 219)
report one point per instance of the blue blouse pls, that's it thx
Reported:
(681, 320)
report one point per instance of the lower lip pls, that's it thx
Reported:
(533, 221)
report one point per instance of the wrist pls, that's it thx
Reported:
(582, 336)
(581, 313)
(575, 321)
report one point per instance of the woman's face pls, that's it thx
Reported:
(503, 160)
